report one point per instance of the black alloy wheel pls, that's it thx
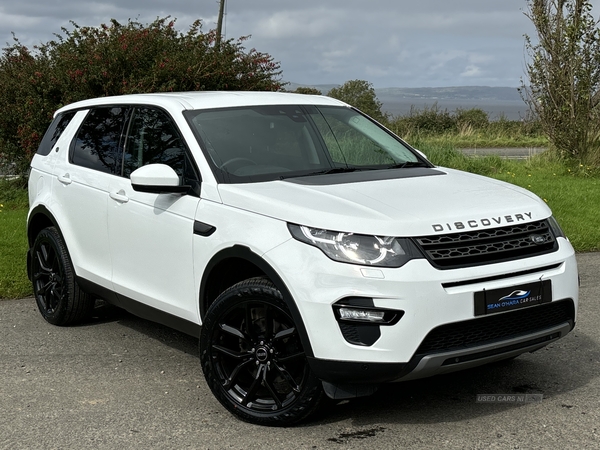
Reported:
(58, 297)
(253, 359)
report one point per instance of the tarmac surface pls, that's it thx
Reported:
(505, 152)
(120, 382)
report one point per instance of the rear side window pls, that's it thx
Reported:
(54, 131)
(98, 140)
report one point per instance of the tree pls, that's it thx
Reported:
(361, 95)
(114, 59)
(307, 90)
(564, 76)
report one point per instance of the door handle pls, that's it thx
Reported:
(65, 179)
(119, 196)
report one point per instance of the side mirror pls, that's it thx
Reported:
(157, 179)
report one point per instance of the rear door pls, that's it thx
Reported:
(80, 190)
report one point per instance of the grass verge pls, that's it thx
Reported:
(13, 241)
(571, 191)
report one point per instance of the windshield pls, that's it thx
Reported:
(261, 143)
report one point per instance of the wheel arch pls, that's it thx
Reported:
(236, 264)
(39, 218)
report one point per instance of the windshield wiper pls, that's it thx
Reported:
(408, 164)
(324, 172)
(335, 170)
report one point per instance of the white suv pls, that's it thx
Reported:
(310, 249)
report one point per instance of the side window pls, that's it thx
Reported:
(98, 140)
(153, 138)
(54, 131)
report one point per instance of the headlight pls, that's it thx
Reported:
(380, 251)
(558, 232)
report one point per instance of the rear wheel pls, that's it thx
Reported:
(59, 298)
(253, 359)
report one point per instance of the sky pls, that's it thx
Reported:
(390, 43)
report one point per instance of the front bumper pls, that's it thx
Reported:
(430, 299)
(424, 365)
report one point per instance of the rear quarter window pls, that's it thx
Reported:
(56, 128)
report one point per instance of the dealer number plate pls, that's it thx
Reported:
(515, 297)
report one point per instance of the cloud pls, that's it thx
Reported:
(295, 25)
(387, 42)
(471, 71)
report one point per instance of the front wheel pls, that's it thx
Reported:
(253, 359)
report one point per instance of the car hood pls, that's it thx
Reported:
(449, 201)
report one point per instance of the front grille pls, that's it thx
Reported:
(501, 326)
(473, 248)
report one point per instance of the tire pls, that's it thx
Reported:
(253, 359)
(58, 297)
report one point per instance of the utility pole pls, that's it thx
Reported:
(220, 23)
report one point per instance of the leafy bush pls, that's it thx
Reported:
(467, 128)
(429, 120)
(475, 117)
(115, 59)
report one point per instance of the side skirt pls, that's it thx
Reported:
(139, 309)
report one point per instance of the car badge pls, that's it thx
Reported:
(537, 239)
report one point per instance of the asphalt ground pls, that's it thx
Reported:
(120, 382)
(505, 152)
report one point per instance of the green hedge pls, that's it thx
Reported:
(114, 59)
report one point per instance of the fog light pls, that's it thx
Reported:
(360, 311)
(363, 315)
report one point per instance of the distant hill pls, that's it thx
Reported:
(453, 93)
(496, 101)
(433, 93)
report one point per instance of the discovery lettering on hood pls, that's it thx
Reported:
(479, 223)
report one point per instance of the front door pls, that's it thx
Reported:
(151, 234)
